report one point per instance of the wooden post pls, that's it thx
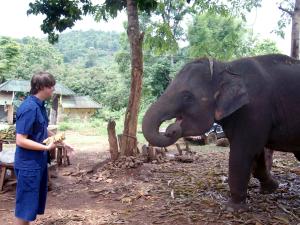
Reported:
(179, 149)
(66, 159)
(151, 153)
(112, 139)
(187, 146)
(1, 145)
(2, 176)
(10, 114)
(59, 156)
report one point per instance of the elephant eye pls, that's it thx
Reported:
(187, 97)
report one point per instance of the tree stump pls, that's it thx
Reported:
(112, 139)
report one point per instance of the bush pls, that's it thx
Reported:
(64, 126)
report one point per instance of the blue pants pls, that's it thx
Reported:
(31, 193)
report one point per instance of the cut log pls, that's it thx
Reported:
(222, 142)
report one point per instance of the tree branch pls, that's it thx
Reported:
(286, 10)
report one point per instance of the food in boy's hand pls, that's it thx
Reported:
(55, 139)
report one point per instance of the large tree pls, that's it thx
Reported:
(34, 55)
(165, 28)
(224, 38)
(290, 13)
(9, 51)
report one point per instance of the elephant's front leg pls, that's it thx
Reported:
(261, 171)
(241, 159)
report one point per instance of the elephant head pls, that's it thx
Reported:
(202, 92)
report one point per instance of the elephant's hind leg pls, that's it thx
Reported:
(261, 171)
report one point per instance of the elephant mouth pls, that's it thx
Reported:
(185, 126)
(179, 118)
(151, 128)
(174, 129)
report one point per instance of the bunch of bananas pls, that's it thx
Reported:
(54, 139)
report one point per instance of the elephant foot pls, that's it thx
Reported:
(236, 207)
(269, 186)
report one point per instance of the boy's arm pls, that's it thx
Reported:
(24, 142)
(24, 127)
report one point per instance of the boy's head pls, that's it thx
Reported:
(42, 83)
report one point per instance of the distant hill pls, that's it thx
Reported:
(87, 46)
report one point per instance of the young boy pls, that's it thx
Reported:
(31, 155)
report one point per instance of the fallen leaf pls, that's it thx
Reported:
(282, 219)
(127, 200)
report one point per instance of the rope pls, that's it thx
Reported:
(127, 135)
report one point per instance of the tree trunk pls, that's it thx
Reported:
(129, 143)
(295, 30)
(112, 139)
(53, 111)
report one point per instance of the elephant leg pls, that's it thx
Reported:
(240, 164)
(242, 157)
(261, 171)
(246, 143)
(269, 158)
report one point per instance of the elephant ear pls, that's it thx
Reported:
(231, 93)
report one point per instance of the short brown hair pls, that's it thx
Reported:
(41, 80)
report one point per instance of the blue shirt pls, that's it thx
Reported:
(31, 120)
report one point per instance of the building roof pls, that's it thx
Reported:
(24, 86)
(79, 102)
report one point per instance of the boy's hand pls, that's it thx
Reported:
(51, 146)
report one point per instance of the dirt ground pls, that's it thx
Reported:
(169, 193)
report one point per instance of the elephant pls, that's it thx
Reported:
(255, 99)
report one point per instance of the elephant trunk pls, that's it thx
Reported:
(153, 118)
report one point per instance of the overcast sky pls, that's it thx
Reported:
(15, 23)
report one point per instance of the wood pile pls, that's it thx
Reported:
(154, 155)
(8, 133)
(188, 156)
(124, 162)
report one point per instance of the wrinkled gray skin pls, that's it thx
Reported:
(257, 102)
